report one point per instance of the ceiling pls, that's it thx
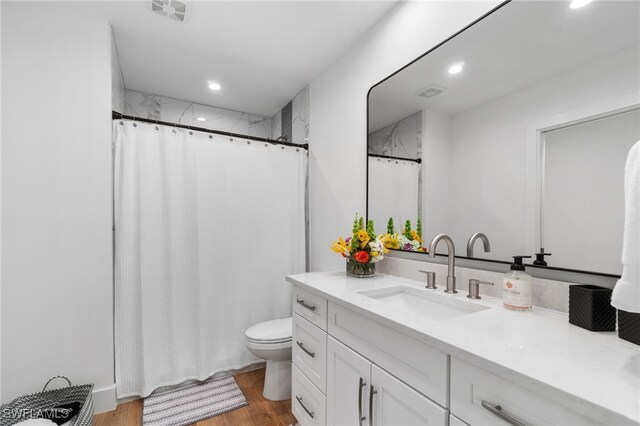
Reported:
(518, 46)
(261, 52)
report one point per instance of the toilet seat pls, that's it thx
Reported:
(273, 332)
(267, 346)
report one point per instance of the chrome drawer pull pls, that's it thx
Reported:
(310, 413)
(360, 416)
(496, 410)
(307, 351)
(301, 302)
(372, 392)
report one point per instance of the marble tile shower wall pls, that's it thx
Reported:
(177, 111)
(400, 139)
(300, 117)
(292, 121)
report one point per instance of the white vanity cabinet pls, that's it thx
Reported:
(361, 393)
(348, 381)
(372, 387)
(481, 398)
(353, 365)
(309, 351)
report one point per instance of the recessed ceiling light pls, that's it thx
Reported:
(576, 4)
(214, 86)
(201, 119)
(456, 68)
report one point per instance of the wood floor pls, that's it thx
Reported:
(259, 412)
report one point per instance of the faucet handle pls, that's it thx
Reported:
(474, 288)
(431, 279)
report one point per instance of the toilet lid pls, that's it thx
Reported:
(271, 331)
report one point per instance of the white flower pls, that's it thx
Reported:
(376, 247)
(407, 244)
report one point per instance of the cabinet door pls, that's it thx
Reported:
(394, 403)
(454, 421)
(347, 385)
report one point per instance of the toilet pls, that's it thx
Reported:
(271, 341)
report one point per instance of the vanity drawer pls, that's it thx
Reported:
(472, 386)
(310, 351)
(414, 362)
(308, 404)
(311, 307)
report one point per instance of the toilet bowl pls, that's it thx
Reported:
(271, 341)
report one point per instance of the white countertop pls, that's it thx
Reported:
(595, 373)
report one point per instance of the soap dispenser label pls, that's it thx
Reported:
(516, 293)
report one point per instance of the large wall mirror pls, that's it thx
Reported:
(514, 132)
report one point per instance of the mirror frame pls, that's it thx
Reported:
(547, 272)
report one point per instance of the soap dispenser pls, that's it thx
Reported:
(516, 289)
(540, 258)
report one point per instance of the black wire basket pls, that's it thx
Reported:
(42, 404)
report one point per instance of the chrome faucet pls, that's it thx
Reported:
(472, 241)
(451, 258)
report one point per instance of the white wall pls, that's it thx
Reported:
(337, 159)
(489, 143)
(56, 200)
(587, 161)
(0, 213)
(436, 175)
(117, 79)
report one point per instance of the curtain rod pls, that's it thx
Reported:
(118, 116)
(415, 160)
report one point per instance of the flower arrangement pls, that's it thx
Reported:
(408, 240)
(363, 249)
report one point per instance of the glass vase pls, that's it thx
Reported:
(360, 270)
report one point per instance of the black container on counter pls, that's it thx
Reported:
(590, 308)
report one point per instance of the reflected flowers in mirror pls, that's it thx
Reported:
(408, 240)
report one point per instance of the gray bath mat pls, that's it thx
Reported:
(190, 404)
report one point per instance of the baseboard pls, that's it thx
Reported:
(104, 399)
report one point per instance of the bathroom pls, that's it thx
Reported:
(179, 186)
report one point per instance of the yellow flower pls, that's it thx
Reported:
(363, 237)
(384, 239)
(340, 246)
(375, 254)
(393, 242)
(415, 236)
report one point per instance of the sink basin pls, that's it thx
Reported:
(424, 303)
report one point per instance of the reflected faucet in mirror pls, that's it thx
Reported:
(538, 146)
(472, 241)
(451, 258)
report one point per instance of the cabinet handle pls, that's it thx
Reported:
(307, 351)
(372, 392)
(310, 413)
(360, 416)
(306, 305)
(496, 410)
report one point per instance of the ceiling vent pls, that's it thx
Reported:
(169, 8)
(430, 91)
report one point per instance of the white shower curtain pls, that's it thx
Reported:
(206, 228)
(393, 192)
